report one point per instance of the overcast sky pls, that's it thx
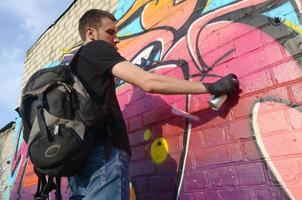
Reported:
(22, 23)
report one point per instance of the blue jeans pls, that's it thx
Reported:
(102, 179)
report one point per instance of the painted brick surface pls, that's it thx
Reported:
(6, 153)
(181, 149)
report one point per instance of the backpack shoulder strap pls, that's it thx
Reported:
(45, 185)
(41, 184)
(58, 188)
(74, 59)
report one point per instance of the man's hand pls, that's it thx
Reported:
(226, 85)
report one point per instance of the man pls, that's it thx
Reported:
(97, 65)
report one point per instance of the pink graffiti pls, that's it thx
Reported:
(258, 60)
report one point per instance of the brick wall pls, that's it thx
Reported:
(61, 36)
(6, 154)
(251, 147)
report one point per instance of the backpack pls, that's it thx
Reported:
(56, 110)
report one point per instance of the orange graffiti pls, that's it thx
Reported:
(134, 8)
(31, 178)
(163, 36)
(159, 13)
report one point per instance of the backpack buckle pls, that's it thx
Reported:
(65, 85)
(56, 131)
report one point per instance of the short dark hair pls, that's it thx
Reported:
(92, 18)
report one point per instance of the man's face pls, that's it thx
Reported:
(106, 32)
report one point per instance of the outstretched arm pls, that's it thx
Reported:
(155, 83)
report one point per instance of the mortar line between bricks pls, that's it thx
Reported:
(251, 139)
(273, 87)
(220, 124)
(261, 91)
(234, 164)
(268, 67)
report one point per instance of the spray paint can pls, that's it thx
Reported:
(216, 102)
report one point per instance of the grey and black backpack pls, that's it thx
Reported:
(56, 111)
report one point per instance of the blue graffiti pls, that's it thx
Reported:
(52, 64)
(285, 12)
(123, 7)
(133, 28)
(18, 139)
(214, 4)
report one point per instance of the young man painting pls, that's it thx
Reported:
(97, 65)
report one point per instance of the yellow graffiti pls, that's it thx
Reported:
(147, 134)
(209, 1)
(292, 26)
(159, 150)
(65, 51)
(123, 35)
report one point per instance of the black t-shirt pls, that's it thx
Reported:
(93, 68)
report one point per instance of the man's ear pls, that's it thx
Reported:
(90, 33)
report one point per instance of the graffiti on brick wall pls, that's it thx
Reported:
(202, 40)
(1, 172)
(19, 162)
(251, 147)
(22, 182)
